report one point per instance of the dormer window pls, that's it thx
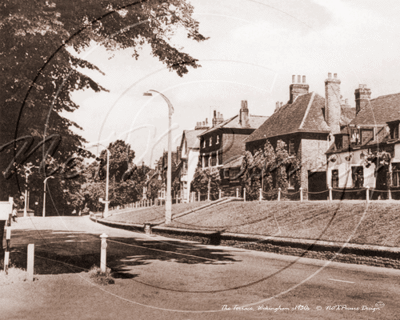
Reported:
(217, 142)
(355, 136)
(210, 141)
(394, 133)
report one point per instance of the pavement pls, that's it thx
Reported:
(161, 278)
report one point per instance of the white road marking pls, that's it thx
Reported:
(341, 280)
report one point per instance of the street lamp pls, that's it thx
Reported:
(168, 201)
(44, 195)
(106, 202)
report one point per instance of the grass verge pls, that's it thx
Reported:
(357, 222)
(153, 214)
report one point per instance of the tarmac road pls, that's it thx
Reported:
(161, 278)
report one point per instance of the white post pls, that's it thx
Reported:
(7, 253)
(237, 192)
(389, 194)
(330, 194)
(301, 194)
(151, 202)
(31, 261)
(260, 194)
(244, 194)
(26, 203)
(219, 193)
(279, 194)
(367, 193)
(103, 254)
(198, 195)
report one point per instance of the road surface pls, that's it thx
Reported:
(161, 278)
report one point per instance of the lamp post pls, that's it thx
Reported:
(44, 195)
(106, 201)
(168, 200)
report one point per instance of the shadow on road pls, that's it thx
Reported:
(60, 251)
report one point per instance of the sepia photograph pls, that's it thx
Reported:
(198, 159)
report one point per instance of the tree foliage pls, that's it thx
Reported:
(40, 71)
(204, 179)
(269, 169)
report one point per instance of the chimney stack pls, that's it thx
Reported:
(332, 102)
(244, 115)
(363, 95)
(297, 89)
(217, 119)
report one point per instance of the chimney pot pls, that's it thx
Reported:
(298, 79)
(293, 79)
(280, 104)
(335, 75)
(304, 79)
(329, 75)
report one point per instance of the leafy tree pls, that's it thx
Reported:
(269, 169)
(39, 70)
(204, 179)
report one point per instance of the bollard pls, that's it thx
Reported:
(279, 194)
(147, 228)
(330, 194)
(151, 202)
(103, 254)
(237, 192)
(301, 194)
(31, 261)
(389, 194)
(208, 194)
(367, 193)
(198, 196)
(260, 194)
(7, 253)
(244, 194)
(219, 193)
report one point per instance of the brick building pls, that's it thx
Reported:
(306, 124)
(223, 143)
(366, 153)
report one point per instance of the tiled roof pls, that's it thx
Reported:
(379, 111)
(233, 163)
(254, 123)
(347, 114)
(305, 114)
(192, 139)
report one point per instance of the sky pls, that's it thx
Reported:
(254, 48)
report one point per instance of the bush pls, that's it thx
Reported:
(103, 278)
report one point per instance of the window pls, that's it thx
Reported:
(226, 173)
(355, 136)
(204, 143)
(357, 174)
(345, 142)
(233, 172)
(213, 160)
(394, 133)
(367, 135)
(291, 147)
(219, 157)
(210, 141)
(217, 142)
(335, 179)
(396, 174)
(206, 161)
